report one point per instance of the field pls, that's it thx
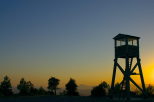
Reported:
(66, 99)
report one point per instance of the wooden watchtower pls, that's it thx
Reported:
(127, 48)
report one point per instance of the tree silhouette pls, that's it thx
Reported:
(100, 90)
(6, 87)
(71, 88)
(26, 88)
(31, 89)
(53, 85)
(22, 87)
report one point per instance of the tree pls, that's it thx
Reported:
(100, 90)
(26, 88)
(71, 88)
(22, 87)
(31, 89)
(6, 87)
(53, 85)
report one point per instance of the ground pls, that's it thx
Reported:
(66, 99)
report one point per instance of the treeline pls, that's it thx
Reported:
(26, 88)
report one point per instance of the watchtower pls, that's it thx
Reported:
(127, 48)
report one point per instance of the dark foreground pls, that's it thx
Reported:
(67, 99)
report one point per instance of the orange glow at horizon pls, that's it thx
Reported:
(149, 74)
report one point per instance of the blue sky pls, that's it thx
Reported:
(69, 38)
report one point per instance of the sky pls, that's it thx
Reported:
(71, 39)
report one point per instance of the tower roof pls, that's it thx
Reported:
(122, 36)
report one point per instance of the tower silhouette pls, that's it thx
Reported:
(127, 48)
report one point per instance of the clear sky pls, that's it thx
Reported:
(71, 38)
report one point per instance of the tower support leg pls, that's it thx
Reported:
(113, 77)
(127, 75)
(141, 77)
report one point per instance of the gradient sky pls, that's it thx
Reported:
(71, 38)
